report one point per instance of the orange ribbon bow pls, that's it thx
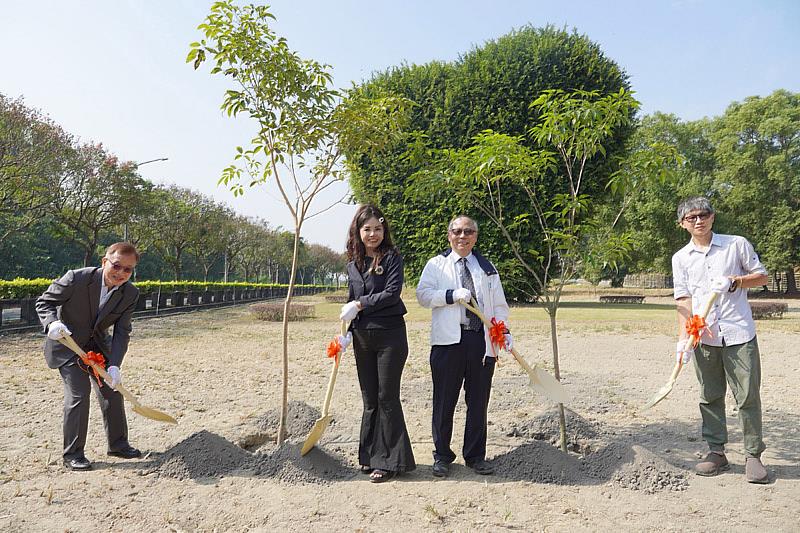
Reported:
(497, 333)
(334, 349)
(694, 327)
(98, 359)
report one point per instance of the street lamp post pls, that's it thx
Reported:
(137, 165)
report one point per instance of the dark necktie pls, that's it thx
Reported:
(466, 281)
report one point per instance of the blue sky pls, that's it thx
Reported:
(113, 71)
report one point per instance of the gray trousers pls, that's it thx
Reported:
(77, 385)
(740, 367)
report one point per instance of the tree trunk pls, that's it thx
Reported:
(286, 303)
(791, 281)
(552, 309)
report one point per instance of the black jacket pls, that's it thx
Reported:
(378, 293)
(74, 299)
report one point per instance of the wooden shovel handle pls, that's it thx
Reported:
(332, 379)
(473, 306)
(70, 343)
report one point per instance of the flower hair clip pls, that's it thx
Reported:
(381, 220)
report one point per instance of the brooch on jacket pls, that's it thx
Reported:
(378, 270)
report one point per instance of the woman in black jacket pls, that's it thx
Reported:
(375, 272)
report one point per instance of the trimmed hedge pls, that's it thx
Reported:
(30, 288)
(763, 310)
(273, 311)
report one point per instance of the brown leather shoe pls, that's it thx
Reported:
(713, 464)
(754, 471)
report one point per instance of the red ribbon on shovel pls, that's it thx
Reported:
(98, 359)
(335, 349)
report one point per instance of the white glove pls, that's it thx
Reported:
(720, 284)
(509, 342)
(462, 295)
(57, 330)
(116, 377)
(345, 340)
(349, 311)
(683, 351)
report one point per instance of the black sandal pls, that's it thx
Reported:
(379, 476)
(365, 469)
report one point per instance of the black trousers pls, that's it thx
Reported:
(451, 367)
(77, 385)
(380, 357)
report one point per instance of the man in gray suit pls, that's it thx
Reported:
(85, 303)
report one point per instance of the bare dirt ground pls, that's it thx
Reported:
(218, 373)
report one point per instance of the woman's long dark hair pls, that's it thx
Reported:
(356, 251)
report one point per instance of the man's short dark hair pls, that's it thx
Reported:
(694, 203)
(123, 248)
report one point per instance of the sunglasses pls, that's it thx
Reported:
(120, 268)
(463, 231)
(694, 218)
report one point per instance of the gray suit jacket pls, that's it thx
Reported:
(74, 299)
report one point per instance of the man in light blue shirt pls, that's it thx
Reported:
(728, 349)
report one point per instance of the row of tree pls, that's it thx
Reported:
(62, 202)
(539, 124)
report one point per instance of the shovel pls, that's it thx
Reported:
(666, 389)
(322, 422)
(146, 412)
(541, 381)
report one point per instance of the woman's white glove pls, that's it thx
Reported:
(349, 311)
(345, 340)
(683, 351)
(116, 377)
(462, 295)
(57, 330)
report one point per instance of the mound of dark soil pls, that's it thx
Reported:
(202, 454)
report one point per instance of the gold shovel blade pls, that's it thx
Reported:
(545, 384)
(666, 389)
(316, 432)
(153, 414)
(660, 395)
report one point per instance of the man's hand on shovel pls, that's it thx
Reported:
(684, 348)
(540, 380)
(147, 412)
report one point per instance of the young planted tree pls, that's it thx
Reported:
(303, 121)
(562, 194)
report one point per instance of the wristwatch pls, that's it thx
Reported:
(735, 284)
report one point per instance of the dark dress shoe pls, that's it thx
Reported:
(440, 468)
(481, 467)
(128, 452)
(79, 463)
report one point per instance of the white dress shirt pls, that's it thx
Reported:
(730, 319)
(105, 294)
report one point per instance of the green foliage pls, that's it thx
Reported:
(23, 288)
(747, 161)
(757, 145)
(489, 88)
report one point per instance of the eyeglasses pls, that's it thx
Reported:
(118, 267)
(691, 219)
(467, 232)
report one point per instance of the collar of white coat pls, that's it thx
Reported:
(486, 266)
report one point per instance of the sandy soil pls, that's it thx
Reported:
(218, 372)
